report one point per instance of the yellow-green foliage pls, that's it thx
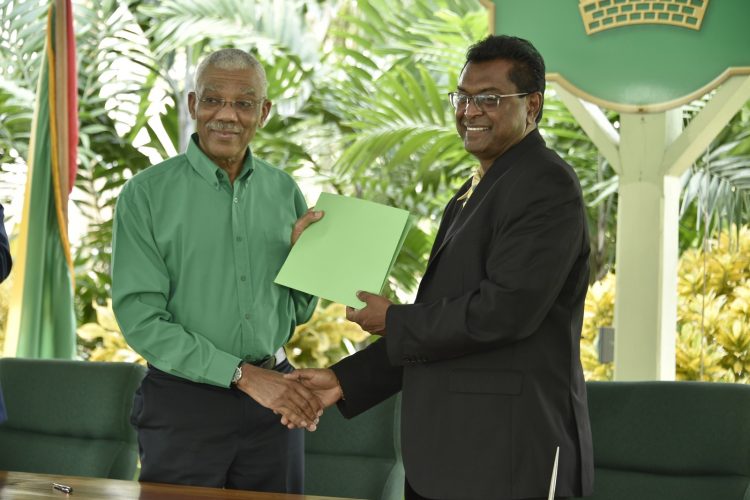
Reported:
(713, 313)
(720, 303)
(103, 341)
(325, 339)
(599, 310)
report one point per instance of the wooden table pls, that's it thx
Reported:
(29, 486)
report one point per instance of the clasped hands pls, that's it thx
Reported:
(320, 388)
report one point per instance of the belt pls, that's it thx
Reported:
(269, 362)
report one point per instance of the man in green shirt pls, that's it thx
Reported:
(198, 240)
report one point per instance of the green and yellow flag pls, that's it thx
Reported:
(41, 319)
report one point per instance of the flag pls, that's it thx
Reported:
(41, 316)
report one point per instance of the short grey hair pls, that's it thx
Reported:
(231, 59)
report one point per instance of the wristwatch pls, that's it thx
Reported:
(237, 374)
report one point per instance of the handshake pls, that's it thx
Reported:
(301, 396)
(298, 397)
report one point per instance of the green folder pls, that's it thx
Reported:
(352, 248)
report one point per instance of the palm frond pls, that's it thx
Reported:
(718, 185)
(404, 120)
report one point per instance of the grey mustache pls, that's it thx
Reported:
(223, 127)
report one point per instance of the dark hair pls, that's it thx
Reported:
(528, 65)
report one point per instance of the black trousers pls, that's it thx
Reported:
(410, 494)
(203, 435)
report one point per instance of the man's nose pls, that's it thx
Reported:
(471, 108)
(227, 113)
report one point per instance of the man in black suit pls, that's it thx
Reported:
(488, 355)
(5, 261)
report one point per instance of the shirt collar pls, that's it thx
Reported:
(207, 169)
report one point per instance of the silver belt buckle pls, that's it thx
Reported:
(279, 356)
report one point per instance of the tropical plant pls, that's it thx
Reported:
(325, 339)
(716, 189)
(106, 158)
(21, 39)
(102, 340)
(599, 311)
(109, 102)
(713, 313)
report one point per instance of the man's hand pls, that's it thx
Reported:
(296, 404)
(371, 317)
(322, 382)
(310, 217)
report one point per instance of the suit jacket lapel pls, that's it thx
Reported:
(497, 171)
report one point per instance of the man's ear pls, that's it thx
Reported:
(534, 106)
(192, 98)
(264, 111)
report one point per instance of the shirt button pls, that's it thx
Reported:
(238, 238)
(247, 316)
(242, 278)
(236, 200)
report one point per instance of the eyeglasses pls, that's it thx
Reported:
(485, 102)
(215, 104)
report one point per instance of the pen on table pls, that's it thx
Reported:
(63, 487)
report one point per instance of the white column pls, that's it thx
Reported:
(647, 248)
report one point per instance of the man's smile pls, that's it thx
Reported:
(225, 133)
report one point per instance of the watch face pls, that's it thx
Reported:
(237, 375)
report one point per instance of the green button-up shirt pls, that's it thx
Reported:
(193, 263)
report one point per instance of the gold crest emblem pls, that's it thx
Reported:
(600, 15)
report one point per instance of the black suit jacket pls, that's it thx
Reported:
(488, 355)
(5, 261)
